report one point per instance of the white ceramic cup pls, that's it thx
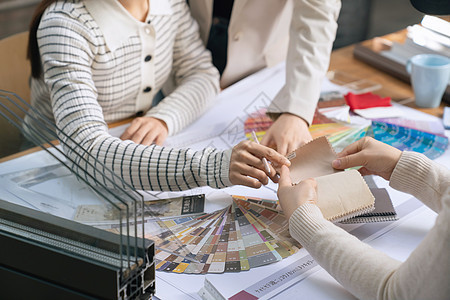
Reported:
(430, 75)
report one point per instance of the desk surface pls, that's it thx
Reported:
(319, 282)
(399, 91)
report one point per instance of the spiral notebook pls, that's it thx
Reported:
(384, 210)
(341, 194)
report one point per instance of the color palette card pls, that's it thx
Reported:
(433, 127)
(340, 134)
(245, 235)
(406, 138)
(260, 122)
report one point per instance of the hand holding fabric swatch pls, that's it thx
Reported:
(341, 194)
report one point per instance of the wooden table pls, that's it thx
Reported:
(399, 91)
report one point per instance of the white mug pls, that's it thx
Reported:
(430, 75)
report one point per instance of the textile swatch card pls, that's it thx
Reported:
(253, 232)
(341, 194)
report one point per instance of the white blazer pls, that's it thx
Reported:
(257, 34)
(258, 37)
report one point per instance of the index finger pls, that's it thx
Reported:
(270, 154)
(128, 133)
(351, 149)
(266, 139)
(285, 177)
(282, 148)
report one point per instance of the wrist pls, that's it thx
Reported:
(395, 158)
(301, 121)
(305, 222)
(162, 122)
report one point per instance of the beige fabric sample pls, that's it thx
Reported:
(312, 160)
(341, 194)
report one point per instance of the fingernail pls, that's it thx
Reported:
(287, 162)
(336, 163)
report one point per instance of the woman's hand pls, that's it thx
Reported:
(292, 196)
(376, 158)
(287, 133)
(247, 168)
(146, 131)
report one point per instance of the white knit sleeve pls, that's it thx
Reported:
(370, 274)
(421, 177)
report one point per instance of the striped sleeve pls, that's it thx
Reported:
(197, 80)
(68, 51)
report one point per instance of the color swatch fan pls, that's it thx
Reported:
(242, 236)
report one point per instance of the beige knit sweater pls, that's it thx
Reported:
(370, 274)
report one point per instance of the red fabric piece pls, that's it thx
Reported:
(366, 100)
